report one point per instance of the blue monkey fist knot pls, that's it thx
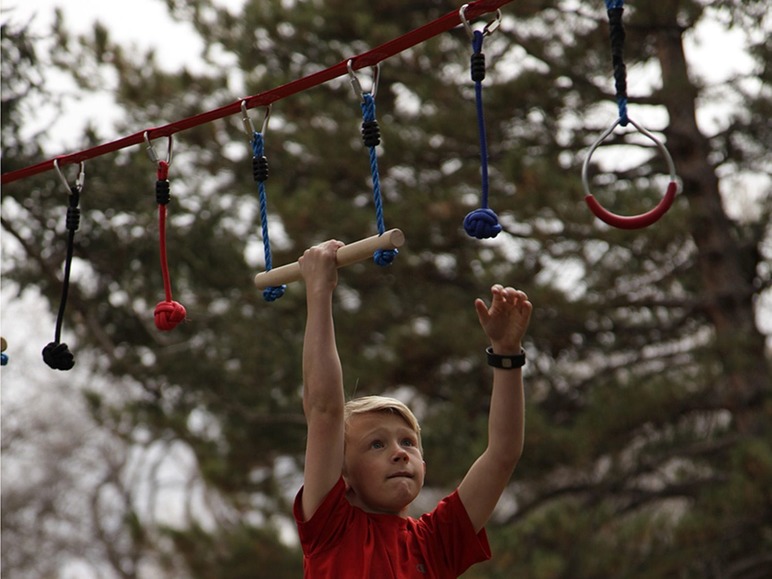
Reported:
(384, 257)
(273, 293)
(482, 223)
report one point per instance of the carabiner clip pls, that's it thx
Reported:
(489, 29)
(81, 179)
(357, 86)
(249, 127)
(153, 155)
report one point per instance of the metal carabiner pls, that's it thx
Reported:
(151, 151)
(81, 179)
(249, 127)
(489, 29)
(357, 86)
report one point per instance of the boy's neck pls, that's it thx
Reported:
(355, 501)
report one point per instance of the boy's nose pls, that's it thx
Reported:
(400, 454)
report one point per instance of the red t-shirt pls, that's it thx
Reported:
(342, 541)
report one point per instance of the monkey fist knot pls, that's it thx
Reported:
(168, 315)
(482, 223)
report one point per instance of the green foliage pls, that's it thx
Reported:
(647, 450)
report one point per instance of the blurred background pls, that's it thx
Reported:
(178, 454)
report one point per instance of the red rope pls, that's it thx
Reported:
(167, 313)
(369, 58)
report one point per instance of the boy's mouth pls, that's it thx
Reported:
(400, 474)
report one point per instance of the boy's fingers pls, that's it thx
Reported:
(482, 310)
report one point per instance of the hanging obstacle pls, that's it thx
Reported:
(371, 137)
(56, 354)
(482, 223)
(260, 175)
(384, 246)
(168, 313)
(347, 255)
(615, 9)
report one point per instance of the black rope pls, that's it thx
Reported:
(56, 354)
(617, 35)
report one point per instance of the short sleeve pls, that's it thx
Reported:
(456, 546)
(327, 524)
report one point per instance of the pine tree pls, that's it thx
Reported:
(647, 443)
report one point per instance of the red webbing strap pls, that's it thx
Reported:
(369, 58)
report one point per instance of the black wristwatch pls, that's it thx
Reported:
(505, 362)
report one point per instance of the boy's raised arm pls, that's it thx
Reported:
(323, 399)
(505, 323)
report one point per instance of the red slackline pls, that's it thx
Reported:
(369, 58)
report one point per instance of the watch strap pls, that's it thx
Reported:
(505, 362)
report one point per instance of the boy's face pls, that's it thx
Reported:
(383, 468)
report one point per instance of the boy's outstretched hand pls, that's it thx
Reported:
(506, 320)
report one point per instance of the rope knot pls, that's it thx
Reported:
(58, 356)
(271, 294)
(260, 168)
(168, 314)
(371, 133)
(482, 223)
(73, 219)
(478, 66)
(73, 211)
(384, 257)
(162, 195)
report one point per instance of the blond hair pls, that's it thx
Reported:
(367, 404)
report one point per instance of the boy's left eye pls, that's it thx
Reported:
(407, 442)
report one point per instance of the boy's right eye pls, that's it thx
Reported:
(376, 444)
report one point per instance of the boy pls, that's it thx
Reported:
(364, 464)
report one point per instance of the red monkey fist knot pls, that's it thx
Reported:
(168, 315)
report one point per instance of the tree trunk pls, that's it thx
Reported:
(728, 284)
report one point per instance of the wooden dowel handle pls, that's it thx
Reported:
(347, 255)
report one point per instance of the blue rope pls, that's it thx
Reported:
(483, 222)
(481, 126)
(261, 174)
(382, 257)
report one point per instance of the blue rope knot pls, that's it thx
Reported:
(273, 293)
(384, 257)
(482, 223)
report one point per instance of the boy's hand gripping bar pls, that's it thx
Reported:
(347, 255)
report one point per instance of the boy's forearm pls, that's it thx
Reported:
(506, 421)
(322, 373)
